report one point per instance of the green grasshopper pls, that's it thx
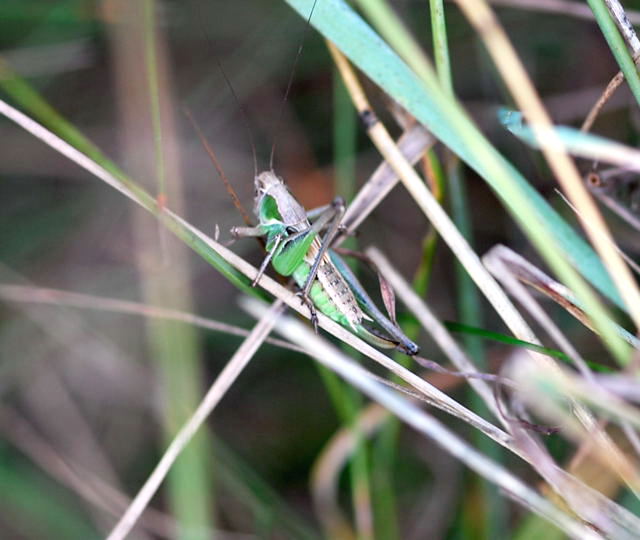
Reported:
(326, 282)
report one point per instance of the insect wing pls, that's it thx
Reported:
(292, 254)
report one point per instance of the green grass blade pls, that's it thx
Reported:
(577, 142)
(554, 238)
(448, 122)
(514, 342)
(190, 487)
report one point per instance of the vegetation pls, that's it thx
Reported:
(141, 396)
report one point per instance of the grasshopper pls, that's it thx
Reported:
(294, 249)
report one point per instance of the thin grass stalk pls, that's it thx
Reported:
(218, 389)
(57, 297)
(143, 79)
(151, 63)
(441, 45)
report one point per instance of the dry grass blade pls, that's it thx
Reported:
(496, 260)
(56, 297)
(624, 25)
(533, 276)
(508, 266)
(432, 325)
(218, 389)
(592, 393)
(413, 144)
(421, 422)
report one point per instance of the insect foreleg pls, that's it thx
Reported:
(316, 212)
(245, 232)
(266, 260)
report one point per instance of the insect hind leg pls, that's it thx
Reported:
(313, 312)
(266, 260)
(332, 214)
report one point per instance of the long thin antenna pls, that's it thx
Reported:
(289, 84)
(221, 173)
(243, 112)
(245, 117)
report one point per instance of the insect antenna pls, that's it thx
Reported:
(243, 112)
(289, 85)
(216, 163)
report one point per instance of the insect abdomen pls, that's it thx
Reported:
(319, 296)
